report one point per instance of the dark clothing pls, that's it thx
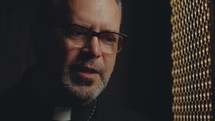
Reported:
(22, 104)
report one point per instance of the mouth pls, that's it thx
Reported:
(87, 70)
(83, 69)
(84, 75)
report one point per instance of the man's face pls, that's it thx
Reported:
(86, 71)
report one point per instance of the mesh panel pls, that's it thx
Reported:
(191, 56)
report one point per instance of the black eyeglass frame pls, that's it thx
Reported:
(93, 33)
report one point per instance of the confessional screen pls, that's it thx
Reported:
(193, 61)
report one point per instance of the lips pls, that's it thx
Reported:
(85, 75)
(84, 69)
(87, 70)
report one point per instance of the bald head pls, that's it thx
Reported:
(57, 11)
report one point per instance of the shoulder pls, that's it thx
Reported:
(110, 111)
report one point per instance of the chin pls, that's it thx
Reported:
(84, 93)
(83, 88)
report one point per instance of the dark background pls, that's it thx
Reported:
(142, 78)
(150, 58)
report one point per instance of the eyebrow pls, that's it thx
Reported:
(90, 28)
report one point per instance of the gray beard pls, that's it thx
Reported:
(85, 93)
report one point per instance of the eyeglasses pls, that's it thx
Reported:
(80, 36)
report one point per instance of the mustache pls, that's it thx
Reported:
(86, 66)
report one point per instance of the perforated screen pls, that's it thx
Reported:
(192, 60)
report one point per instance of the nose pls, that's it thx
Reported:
(94, 47)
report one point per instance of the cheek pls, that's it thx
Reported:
(109, 63)
(71, 55)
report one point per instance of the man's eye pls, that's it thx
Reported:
(109, 39)
(76, 33)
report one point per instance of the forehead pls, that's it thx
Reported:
(95, 12)
(65, 11)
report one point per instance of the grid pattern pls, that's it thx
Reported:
(191, 57)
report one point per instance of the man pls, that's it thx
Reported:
(76, 43)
